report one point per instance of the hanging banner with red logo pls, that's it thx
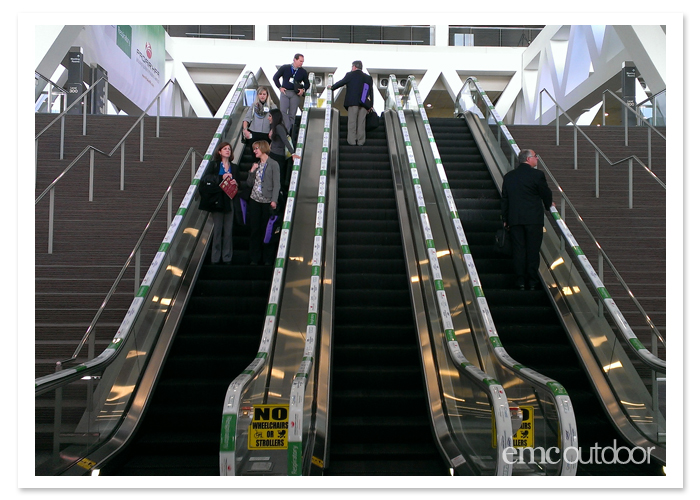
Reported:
(134, 58)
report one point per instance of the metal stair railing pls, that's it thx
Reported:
(51, 189)
(53, 89)
(598, 152)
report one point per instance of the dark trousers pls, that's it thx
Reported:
(284, 171)
(526, 241)
(258, 216)
(222, 237)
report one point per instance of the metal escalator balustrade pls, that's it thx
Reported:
(106, 384)
(217, 334)
(250, 387)
(525, 385)
(300, 442)
(614, 380)
(503, 440)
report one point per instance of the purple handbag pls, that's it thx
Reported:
(270, 228)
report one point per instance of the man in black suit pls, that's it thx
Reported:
(359, 96)
(525, 195)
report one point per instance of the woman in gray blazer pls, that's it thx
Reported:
(264, 179)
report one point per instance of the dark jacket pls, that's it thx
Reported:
(212, 197)
(301, 78)
(279, 141)
(355, 80)
(525, 195)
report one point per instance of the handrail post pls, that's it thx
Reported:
(63, 135)
(575, 147)
(597, 174)
(540, 108)
(562, 203)
(626, 126)
(600, 275)
(194, 159)
(557, 111)
(603, 109)
(170, 209)
(51, 208)
(84, 115)
(649, 147)
(141, 154)
(57, 417)
(158, 116)
(630, 182)
(92, 172)
(121, 183)
(137, 270)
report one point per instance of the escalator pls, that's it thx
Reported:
(217, 337)
(527, 323)
(379, 420)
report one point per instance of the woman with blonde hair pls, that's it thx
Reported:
(264, 179)
(256, 126)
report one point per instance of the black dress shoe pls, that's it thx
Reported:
(521, 287)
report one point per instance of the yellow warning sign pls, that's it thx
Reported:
(525, 437)
(268, 429)
(86, 463)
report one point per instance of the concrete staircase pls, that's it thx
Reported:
(92, 240)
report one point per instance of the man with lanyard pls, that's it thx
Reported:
(295, 81)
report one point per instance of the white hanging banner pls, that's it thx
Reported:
(134, 58)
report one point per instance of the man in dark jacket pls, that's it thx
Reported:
(525, 195)
(359, 96)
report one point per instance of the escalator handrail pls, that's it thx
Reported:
(138, 304)
(236, 389)
(555, 390)
(494, 390)
(625, 331)
(298, 391)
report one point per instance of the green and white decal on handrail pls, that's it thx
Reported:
(234, 393)
(624, 327)
(565, 410)
(144, 290)
(497, 395)
(296, 395)
(604, 295)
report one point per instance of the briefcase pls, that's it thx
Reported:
(502, 243)
(372, 120)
